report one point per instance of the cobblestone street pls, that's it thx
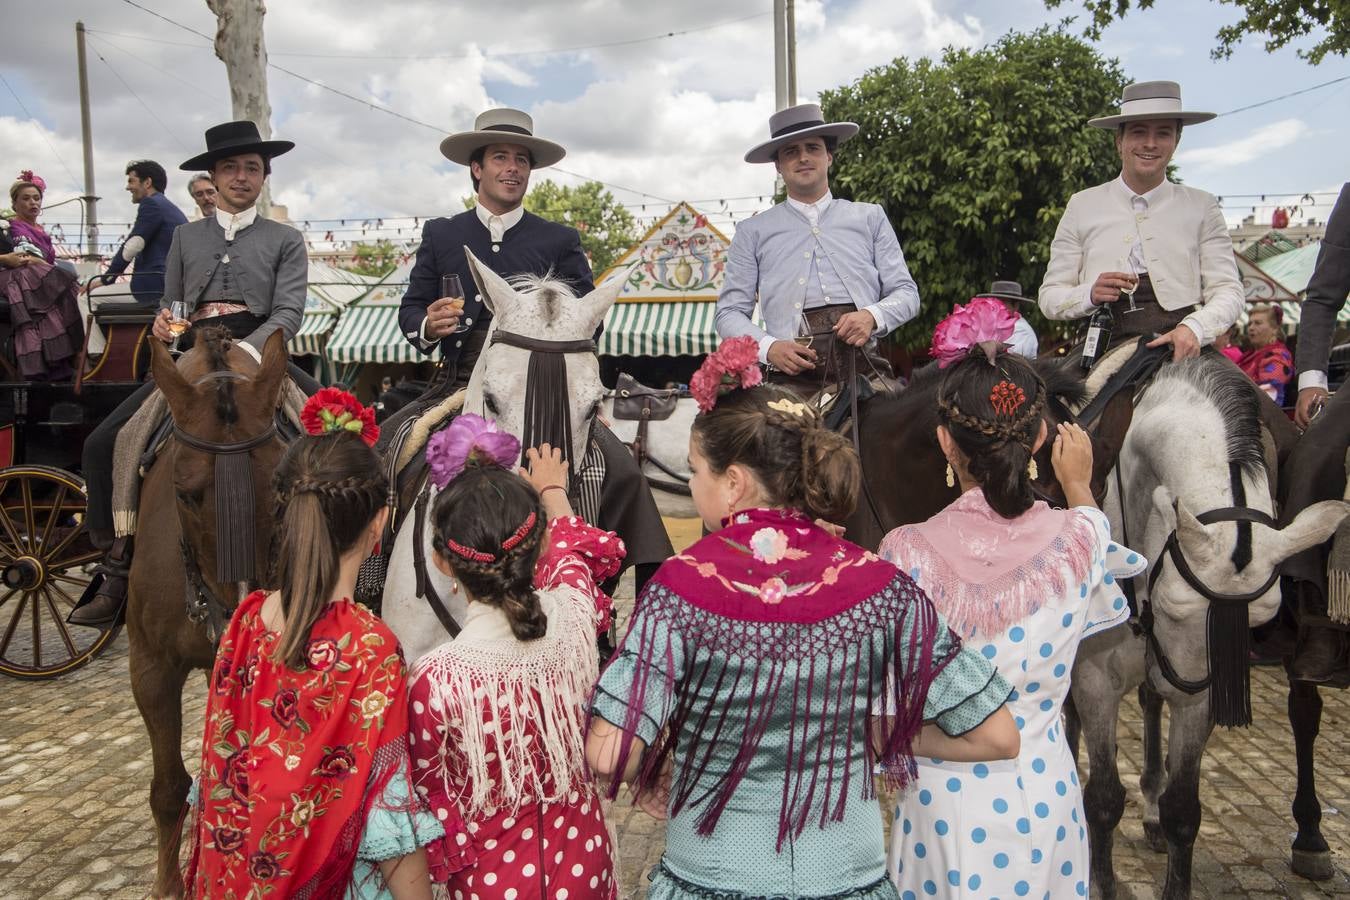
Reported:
(74, 819)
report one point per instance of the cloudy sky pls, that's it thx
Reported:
(658, 119)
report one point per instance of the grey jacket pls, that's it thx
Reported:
(1327, 291)
(268, 265)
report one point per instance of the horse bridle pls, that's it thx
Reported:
(235, 559)
(423, 583)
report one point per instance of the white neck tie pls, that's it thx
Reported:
(497, 228)
(1140, 206)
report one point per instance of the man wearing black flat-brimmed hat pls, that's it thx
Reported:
(1170, 238)
(1023, 341)
(814, 263)
(234, 269)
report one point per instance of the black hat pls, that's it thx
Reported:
(1007, 290)
(232, 139)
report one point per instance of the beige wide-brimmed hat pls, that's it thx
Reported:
(1151, 100)
(501, 126)
(795, 123)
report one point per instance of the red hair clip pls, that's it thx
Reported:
(520, 533)
(468, 553)
(1006, 398)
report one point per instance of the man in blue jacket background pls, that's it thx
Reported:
(151, 235)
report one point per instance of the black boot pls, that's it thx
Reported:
(1320, 658)
(104, 608)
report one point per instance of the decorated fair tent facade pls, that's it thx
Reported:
(669, 299)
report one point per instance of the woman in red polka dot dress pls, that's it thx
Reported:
(498, 713)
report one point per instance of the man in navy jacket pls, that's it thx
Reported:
(151, 236)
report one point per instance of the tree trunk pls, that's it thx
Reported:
(240, 45)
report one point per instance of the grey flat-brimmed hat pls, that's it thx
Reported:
(501, 126)
(1007, 290)
(1151, 100)
(795, 123)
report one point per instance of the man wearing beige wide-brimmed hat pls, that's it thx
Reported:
(1169, 239)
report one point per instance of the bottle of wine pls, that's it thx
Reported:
(1098, 338)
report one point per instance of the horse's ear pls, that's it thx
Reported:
(1194, 538)
(1310, 527)
(602, 298)
(273, 367)
(1108, 437)
(492, 286)
(1165, 505)
(177, 392)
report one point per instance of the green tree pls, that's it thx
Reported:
(607, 229)
(974, 158)
(1280, 21)
(378, 258)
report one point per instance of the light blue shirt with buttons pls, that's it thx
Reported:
(797, 256)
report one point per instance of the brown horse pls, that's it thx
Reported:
(223, 405)
(903, 466)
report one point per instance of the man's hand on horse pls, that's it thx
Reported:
(1310, 401)
(855, 328)
(161, 326)
(790, 359)
(1107, 287)
(443, 316)
(1183, 340)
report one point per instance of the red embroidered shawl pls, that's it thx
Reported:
(757, 607)
(293, 760)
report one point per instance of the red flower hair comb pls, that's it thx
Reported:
(1007, 398)
(332, 410)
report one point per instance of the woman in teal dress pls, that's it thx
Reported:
(740, 703)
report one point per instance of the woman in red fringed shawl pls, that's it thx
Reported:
(1269, 362)
(499, 712)
(305, 787)
(1023, 584)
(741, 700)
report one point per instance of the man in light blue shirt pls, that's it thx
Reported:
(815, 264)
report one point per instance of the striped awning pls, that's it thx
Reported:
(314, 329)
(370, 334)
(660, 329)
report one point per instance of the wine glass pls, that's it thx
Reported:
(804, 335)
(1126, 264)
(452, 288)
(178, 323)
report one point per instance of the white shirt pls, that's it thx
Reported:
(1139, 203)
(812, 211)
(233, 223)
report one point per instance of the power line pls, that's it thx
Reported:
(42, 132)
(205, 93)
(1315, 87)
(133, 93)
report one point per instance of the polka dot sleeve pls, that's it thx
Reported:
(428, 738)
(967, 691)
(581, 556)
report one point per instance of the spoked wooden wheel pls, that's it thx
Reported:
(45, 553)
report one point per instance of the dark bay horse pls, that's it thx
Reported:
(903, 466)
(223, 405)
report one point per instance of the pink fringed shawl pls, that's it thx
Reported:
(985, 573)
(811, 631)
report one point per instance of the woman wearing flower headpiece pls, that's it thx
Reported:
(499, 712)
(305, 786)
(1023, 584)
(746, 682)
(42, 298)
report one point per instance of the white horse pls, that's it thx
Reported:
(667, 441)
(540, 309)
(1194, 447)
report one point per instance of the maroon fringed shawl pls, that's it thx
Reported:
(814, 632)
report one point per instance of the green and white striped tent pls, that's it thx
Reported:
(1293, 270)
(368, 330)
(668, 304)
(330, 291)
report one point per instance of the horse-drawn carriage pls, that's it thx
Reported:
(46, 555)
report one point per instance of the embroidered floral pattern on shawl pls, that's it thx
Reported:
(986, 572)
(292, 761)
(756, 607)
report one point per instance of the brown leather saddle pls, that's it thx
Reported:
(635, 402)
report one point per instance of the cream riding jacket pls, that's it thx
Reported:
(1185, 243)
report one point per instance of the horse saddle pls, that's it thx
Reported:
(635, 402)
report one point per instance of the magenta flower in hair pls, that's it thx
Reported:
(469, 439)
(735, 364)
(984, 320)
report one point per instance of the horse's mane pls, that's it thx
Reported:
(548, 288)
(217, 342)
(1234, 398)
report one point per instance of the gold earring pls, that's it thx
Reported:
(951, 476)
(1032, 471)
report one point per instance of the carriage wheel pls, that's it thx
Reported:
(44, 553)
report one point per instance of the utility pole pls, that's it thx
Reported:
(784, 54)
(87, 132)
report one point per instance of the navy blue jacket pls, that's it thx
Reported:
(534, 246)
(156, 218)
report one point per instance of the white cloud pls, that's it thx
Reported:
(1261, 142)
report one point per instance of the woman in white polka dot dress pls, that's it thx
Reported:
(1022, 584)
(498, 713)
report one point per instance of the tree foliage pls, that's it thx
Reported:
(1281, 22)
(974, 158)
(607, 229)
(378, 258)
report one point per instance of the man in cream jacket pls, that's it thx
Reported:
(1170, 237)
